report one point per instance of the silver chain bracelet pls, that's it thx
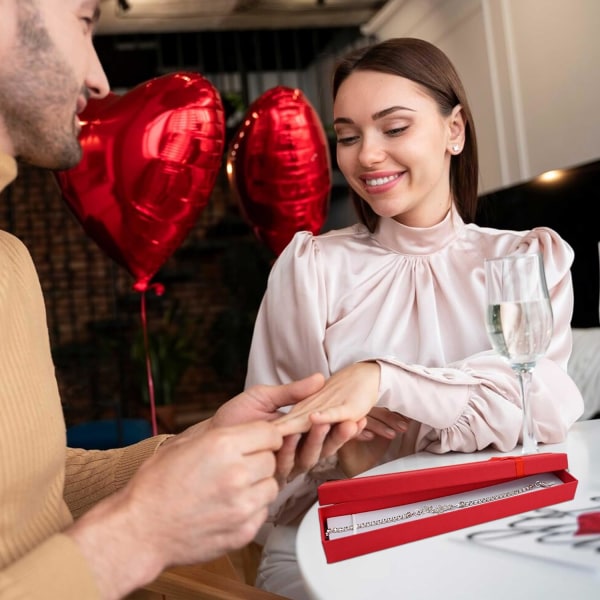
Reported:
(435, 509)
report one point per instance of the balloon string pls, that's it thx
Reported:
(148, 365)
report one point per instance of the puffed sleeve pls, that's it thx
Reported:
(475, 402)
(288, 345)
(291, 319)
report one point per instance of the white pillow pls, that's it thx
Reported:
(584, 368)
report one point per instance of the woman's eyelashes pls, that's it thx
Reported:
(396, 131)
(349, 139)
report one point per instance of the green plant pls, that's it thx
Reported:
(171, 350)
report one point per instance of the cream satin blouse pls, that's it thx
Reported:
(414, 300)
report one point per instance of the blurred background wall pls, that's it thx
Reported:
(529, 67)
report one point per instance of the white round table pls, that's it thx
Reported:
(444, 566)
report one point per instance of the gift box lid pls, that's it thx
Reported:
(351, 498)
(450, 479)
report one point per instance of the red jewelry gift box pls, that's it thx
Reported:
(375, 492)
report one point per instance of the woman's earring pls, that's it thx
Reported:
(455, 148)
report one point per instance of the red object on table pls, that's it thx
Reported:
(374, 492)
(588, 523)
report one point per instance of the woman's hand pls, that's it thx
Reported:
(301, 450)
(263, 402)
(369, 447)
(348, 395)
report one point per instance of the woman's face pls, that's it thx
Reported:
(394, 146)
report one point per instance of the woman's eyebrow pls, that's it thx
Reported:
(386, 111)
(378, 115)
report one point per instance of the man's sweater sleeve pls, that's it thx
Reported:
(91, 475)
(54, 569)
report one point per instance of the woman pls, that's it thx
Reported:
(392, 310)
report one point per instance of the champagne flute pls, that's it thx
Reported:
(519, 321)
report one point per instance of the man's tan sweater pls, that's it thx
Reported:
(43, 484)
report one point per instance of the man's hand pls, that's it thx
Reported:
(262, 402)
(347, 395)
(301, 449)
(202, 494)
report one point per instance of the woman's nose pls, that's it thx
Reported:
(371, 152)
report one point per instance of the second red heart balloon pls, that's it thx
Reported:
(150, 162)
(279, 167)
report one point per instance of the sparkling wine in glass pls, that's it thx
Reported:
(519, 321)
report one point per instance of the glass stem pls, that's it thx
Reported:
(529, 441)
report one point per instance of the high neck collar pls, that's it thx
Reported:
(8, 170)
(419, 240)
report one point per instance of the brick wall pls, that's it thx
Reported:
(213, 284)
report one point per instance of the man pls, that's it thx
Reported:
(162, 502)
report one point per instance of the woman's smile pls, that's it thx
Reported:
(377, 184)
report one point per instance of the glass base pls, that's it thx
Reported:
(529, 446)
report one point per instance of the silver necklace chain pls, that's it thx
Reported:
(431, 509)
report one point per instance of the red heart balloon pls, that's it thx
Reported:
(279, 167)
(150, 161)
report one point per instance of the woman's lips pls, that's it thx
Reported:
(376, 184)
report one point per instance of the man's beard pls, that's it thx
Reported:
(38, 96)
